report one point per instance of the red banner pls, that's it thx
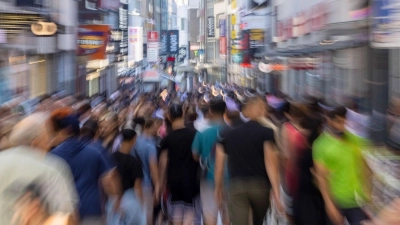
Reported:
(222, 46)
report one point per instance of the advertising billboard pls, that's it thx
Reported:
(135, 44)
(173, 41)
(210, 26)
(385, 19)
(164, 47)
(123, 27)
(92, 41)
(152, 46)
(169, 42)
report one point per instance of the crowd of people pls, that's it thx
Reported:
(236, 156)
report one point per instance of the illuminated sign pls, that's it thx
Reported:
(268, 68)
(92, 41)
(135, 44)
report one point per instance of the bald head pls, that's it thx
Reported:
(29, 129)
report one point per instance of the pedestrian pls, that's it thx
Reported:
(146, 150)
(203, 148)
(179, 171)
(27, 163)
(130, 209)
(253, 166)
(341, 170)
(88, 166)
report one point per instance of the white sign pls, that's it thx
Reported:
(135, 44)
(152, 51)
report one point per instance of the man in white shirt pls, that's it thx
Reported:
(27, 163)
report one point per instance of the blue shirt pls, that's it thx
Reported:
(87, 166)
(204, 146)
(146, 150)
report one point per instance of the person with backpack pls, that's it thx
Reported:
(203, 148)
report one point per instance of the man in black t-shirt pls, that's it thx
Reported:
(181, 170)
(129, 167)
(252, 165)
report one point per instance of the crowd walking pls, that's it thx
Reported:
(235, 157)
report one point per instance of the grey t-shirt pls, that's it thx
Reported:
(23, 166)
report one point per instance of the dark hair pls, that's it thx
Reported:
(175, 111)
(217, 106)
(139, 120)
(148, 123)
(128, 134)
(83, 109)
(63, 118)
(89, 129)
(191, 113)
(337, 112)
(205, 109)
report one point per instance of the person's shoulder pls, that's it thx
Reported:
(320, 143)
(190, 131)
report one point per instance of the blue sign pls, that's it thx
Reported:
(222, 28)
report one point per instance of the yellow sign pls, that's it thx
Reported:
(233, 34)
(234, 51)
(233, 4)
(256, 35)
(233, 19)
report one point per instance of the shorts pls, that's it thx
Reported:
(209, 205)
(179, 212)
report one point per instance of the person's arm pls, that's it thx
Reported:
(219, 172)
(163, 166)
(196, 147)
(320, 173)
(139, 190)
(271, 159)
(154, 172)
(284, 143)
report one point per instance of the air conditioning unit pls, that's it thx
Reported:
(44, 28)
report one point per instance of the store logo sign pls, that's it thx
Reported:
(92, 41)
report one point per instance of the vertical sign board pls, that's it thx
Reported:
(92, 41)
(152, 46)
(173, 42)
(135, 44)
(210, 26)
(123, 26)
(384, 31)
(164, 46)
(222, 37)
